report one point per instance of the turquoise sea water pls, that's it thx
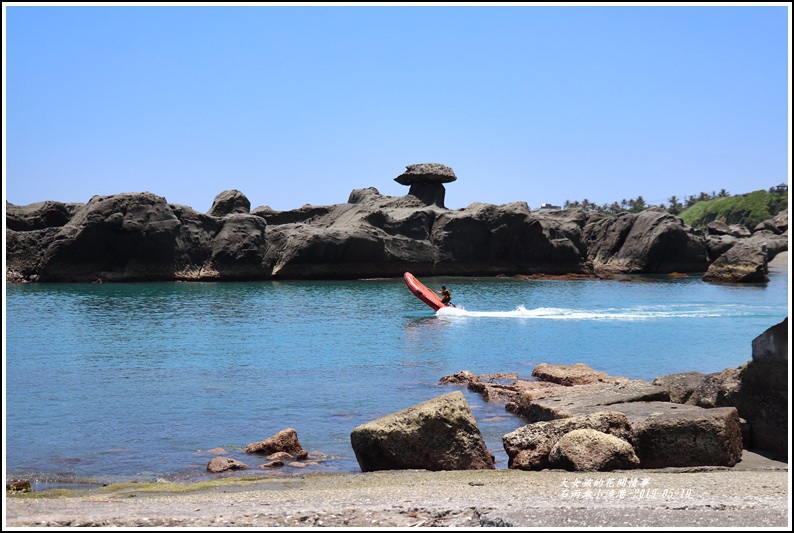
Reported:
(110, 382)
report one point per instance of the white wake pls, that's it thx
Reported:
(630, 313)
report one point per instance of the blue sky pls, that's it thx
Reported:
(302, 104)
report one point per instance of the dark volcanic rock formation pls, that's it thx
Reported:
(229, 202)
(426, 181)
(139, 236)
(650, 241)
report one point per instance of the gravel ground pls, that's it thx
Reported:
(753, 494)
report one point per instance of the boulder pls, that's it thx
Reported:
(19, 486)
(680, 386)
(762, 396)
(229, 202)
(717, 389)
(285, 440)
(770, 242)
(463, 377)
(513, 394)
(568, 375)
(368, 194)
(222, 464)
(563, 402)
(742, 263)
(529, 446)
(717, 227)
(704, 390)
(239, 249)
(272, 464)
(594, 451)
(678, 436)
(439, 434)
(716, 245)
(777, 224)
(651, 241)
(279, 456)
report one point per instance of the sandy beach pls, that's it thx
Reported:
(754, 493)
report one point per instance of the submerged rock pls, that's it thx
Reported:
(222, 464)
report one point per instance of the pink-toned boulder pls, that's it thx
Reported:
(272, 464)
(279, 456)
(222, 464)
(569, 375)
(285, 440)
(462, 377)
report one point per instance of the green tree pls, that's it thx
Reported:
(637, 205)
(675, 206)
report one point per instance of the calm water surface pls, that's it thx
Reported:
(109, 382)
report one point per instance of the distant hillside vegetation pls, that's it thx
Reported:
(747, 209)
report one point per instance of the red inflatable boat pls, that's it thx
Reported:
(423, 293)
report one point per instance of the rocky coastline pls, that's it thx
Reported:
(714, 446)
(132, 237)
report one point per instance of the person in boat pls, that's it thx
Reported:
(446, 296)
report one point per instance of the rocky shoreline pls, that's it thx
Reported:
(141, 237)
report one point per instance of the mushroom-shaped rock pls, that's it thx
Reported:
(439, 434)
(222, 464)
(426, 181)
(593, 451)
(285, 440)
(229, 202)
(426, 172)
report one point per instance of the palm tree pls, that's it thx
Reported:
(637, 205)
(675, 205)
